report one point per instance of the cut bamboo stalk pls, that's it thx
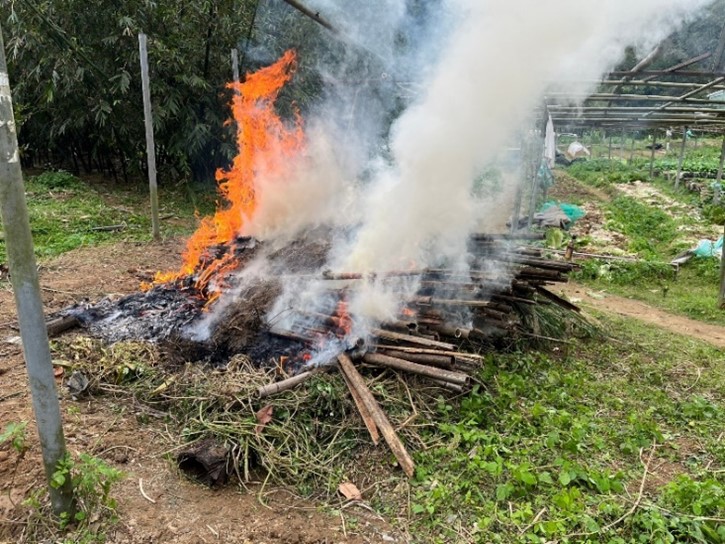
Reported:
(292, 336)
(415, 368)
(364, 412)
(440, 361)
(557, 299)
(377, 414)
(447, 330)
(431, 301)
(284, 385)
(456, 354)
(450, 386)
(61, 324)
(390, 335)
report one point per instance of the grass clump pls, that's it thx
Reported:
(650, 231)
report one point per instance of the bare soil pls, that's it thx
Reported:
(129, 438)
(713, 334)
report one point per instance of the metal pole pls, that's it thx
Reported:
(519, 190)
(26, 287)
(652, 156)
(721, 298)
(150, 149)
(534, 185)
(682, 157)
(235, 65)
(718, 179)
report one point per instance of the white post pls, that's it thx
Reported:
(150, 149)
(26, 288)
(235, 65)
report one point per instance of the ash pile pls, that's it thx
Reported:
(449, 319)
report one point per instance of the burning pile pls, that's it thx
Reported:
(225, 299)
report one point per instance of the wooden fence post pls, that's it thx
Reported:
(681, 158)
(26, 289)
(652, 155)
(235, 65)
(150, 149)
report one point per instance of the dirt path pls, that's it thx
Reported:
(713, 334)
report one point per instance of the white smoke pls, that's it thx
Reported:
(484, 87)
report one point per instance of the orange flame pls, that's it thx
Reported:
(265, 144)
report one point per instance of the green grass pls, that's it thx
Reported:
(691, 292)
(64, 210)
(656, 237)
(553, 444)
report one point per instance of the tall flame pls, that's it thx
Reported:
(265, 145)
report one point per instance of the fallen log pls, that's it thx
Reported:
(355, 381)
(415, 368)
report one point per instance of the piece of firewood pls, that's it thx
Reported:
(364, 412)
(379, 417)
(429, 371)
(284, 385)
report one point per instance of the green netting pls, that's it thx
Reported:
(572, 211)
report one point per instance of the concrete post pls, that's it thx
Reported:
(26, 288)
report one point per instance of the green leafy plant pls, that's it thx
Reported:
(14, 434)
(92, 480)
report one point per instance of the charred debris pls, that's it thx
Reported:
(441, 335)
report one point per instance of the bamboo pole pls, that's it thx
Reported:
(390, 335)
(652, 155)
(364, 412)
(401, 364)
(718, 179)
(681, 158)
(26, 289)
(284, 385)
(235, 65)
(440, 361)
(381, 421)
(150, 148)
(721, 301)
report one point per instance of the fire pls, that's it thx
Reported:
(342, 318)
(265, 145)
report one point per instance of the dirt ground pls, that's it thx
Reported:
(178, 510)
(626, 307)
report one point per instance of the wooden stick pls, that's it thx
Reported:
(379, 417)
(364, 412)
(390, 335)
(415, 368)
(284, 385)
(447, 330)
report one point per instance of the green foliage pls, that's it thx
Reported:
(14, 433)
(714, 213)
(64, 211)
(604, 173)
(76, 81)
(551, 446)
(91, 479)
(649, 229)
